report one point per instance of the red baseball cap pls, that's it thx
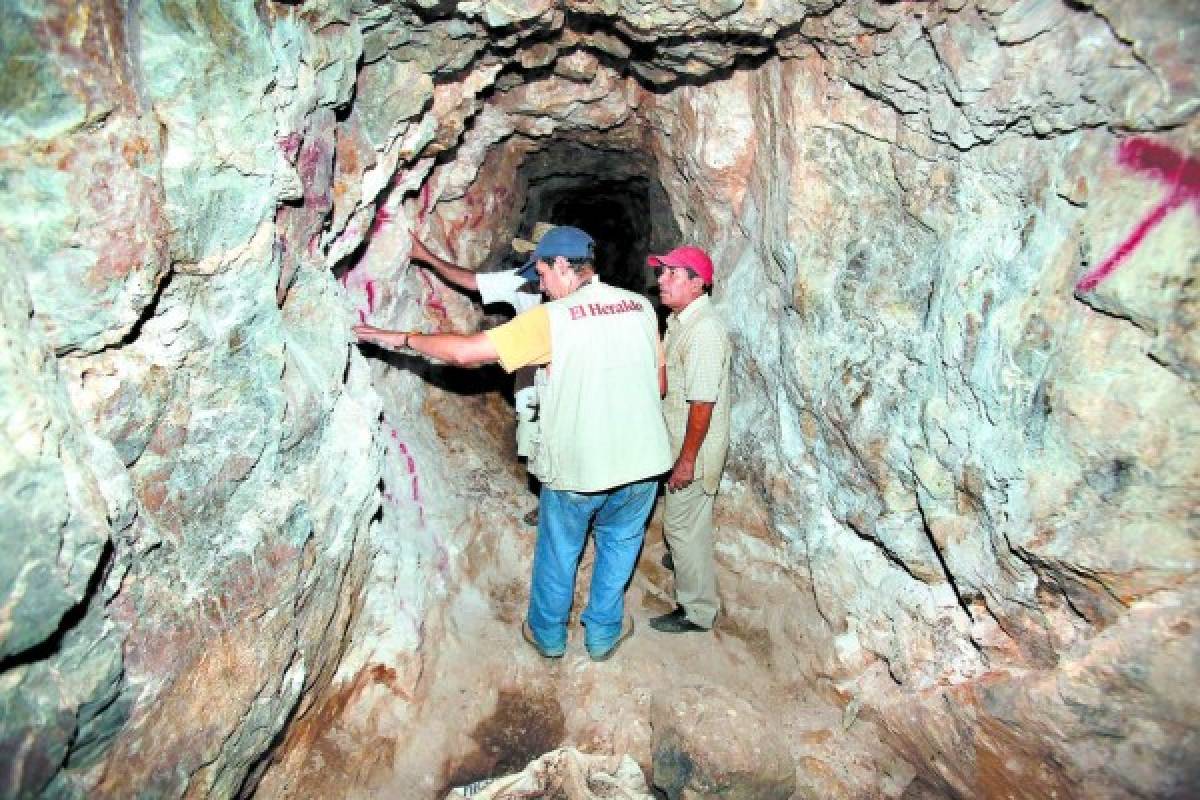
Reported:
(688, 257)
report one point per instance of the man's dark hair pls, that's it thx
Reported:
(579, 264)
(692, 274)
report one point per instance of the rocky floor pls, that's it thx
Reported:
(486, 704)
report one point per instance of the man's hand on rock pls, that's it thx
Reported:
(392, 340)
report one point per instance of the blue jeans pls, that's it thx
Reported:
(618, 518)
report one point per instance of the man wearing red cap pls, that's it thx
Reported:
(696, 409)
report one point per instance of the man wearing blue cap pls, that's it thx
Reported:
(514, 287)
(603, 440)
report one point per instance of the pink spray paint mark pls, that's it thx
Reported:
(1165, 165)
(370, 287)
(410, 464)
(310, 159)
(290, 145)
(358, 279)
(382, 218)
(314, 177)
(412, 470)
(424, 203)
(433, 300)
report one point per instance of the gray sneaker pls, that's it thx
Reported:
(527, 633)
(626, 632)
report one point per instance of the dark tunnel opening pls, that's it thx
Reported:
(612, 194)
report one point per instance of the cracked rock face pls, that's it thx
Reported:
(956, 248)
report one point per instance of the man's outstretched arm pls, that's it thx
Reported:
(452, 348)
(450, 273)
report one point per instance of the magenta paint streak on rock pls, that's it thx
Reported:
(410, 465)
(314, 177)
(424, 203)
(382, 218)
(1165, 165)
(433, 299)
(290, 145)
(359, 279)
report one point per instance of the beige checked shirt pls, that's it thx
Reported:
(698, 354)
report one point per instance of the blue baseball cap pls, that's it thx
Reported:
(564, 241)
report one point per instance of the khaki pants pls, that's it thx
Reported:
(688, 529)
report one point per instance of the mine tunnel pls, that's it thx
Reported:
(613, 193)
(954, 249)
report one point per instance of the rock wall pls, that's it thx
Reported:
(985, 472)
(956, 245)
(188, 561)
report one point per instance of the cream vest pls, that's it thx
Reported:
(602, 423)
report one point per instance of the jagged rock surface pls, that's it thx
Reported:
(960, 510)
